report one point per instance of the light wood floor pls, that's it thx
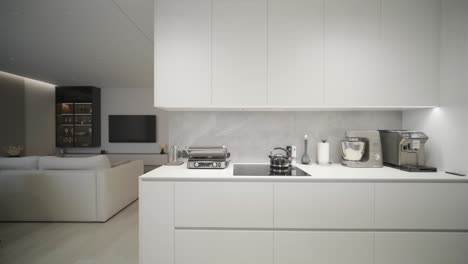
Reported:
(113, 242)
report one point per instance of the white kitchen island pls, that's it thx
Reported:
(338, 215)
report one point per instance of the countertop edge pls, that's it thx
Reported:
(334, 173)
(296, 180)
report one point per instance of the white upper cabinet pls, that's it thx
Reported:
(239, 53)
(410, 37)
(295, 52)
(352, 57)
(183, 53)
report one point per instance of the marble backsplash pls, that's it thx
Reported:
(250, 136)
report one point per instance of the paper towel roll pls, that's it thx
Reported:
(323, 153)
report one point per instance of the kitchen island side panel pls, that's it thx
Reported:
(156, 222)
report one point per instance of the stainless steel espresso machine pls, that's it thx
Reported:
(362, 149)
(405, 150)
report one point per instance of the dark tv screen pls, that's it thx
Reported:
(132, 128)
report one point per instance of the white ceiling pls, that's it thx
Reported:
(105, 43)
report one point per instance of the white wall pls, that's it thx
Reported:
(131, 101)
(447, 126)
(128, 101)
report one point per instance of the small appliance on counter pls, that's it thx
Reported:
(280, 162)
(208, 157)
(174, 156)
(362, 149)
(293, 150)
(404, 150)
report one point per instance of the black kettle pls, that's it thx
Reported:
(280, 161)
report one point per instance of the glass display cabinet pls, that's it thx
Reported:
(78, 116)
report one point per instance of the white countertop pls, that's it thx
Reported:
(333, 173)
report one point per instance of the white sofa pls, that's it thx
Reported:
(66, 189)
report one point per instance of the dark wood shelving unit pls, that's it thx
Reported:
(77, 116)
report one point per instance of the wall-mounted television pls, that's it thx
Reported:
(132, 128)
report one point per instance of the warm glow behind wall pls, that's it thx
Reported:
(39, 83)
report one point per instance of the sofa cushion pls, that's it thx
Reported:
(87, 163)
(22, 163)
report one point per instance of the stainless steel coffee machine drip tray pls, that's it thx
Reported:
(412, 168)
(266, 170)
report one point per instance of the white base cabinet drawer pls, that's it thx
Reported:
(421, 206)
(324, 205)
(224, 205)
(223, 247)
(421, 248)
(323, 247)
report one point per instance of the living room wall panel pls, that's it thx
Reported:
(11, 111)
(27, 114)
(39, 117)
